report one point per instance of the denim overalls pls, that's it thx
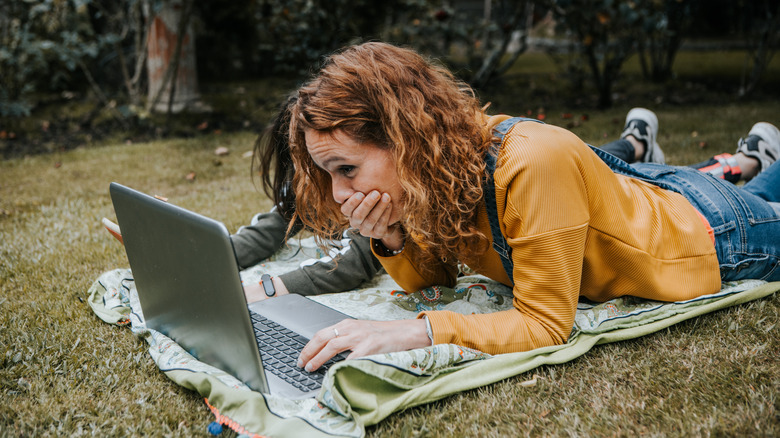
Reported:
(746, 224)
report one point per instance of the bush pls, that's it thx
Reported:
(293, 34)
(42, 44)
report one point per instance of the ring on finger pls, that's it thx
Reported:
(336, 332)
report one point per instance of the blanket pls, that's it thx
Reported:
(362, 392)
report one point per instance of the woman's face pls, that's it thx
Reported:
(355, 167)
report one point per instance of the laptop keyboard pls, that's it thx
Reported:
(280, 348)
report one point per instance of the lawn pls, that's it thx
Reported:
(65, 372)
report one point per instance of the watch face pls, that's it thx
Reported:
(268, 285)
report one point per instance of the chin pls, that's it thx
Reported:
(396, 220)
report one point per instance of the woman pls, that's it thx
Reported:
(350, 261)
(393, 146)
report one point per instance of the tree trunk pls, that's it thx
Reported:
(171, 51)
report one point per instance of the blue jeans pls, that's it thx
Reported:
(746, 220)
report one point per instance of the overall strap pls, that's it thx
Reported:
(645, 171)
(489, 193)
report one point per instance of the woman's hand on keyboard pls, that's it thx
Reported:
(363, 338)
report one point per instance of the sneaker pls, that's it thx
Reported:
(643, 125)
(761, 143)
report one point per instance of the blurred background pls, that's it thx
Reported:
(82, 72)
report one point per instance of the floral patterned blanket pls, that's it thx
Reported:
(362, 392)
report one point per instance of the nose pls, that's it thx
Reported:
(342, 190)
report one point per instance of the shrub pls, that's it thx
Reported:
(42, 44)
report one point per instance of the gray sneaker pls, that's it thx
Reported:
(643, 125)
(761, 143)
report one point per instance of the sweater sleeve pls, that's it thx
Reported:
(408, 269)
(260, 240)
(353, 265)
(543, 211)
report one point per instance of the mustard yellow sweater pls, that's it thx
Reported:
(575, 229)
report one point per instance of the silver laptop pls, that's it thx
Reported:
(189, 287)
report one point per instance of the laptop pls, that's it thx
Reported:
(189, 288)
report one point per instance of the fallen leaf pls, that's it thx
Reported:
(24, 384)
(694, 134)
(57, 165)
(531, 382)
(247, 154)
(702, 144)
(221, 151)
(190, 177)
(203, 126)
(566, 115)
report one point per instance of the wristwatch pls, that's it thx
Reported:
(268, 285)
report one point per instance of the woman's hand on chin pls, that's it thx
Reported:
(370, 214)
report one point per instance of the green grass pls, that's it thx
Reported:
(65, 372)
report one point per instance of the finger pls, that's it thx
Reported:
(325, 344)
(374, 221)
(331, 349)
(383, 226)
(379, 229)
(353, 201)
(362, 211)
(315, 344)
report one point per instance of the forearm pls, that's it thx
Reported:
(260, 240)
(494, 333)
(354, 265)
(256, 292)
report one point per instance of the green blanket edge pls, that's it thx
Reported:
(371, 407)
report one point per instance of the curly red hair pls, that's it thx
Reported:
(431, 122)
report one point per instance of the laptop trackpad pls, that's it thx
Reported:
(298, 313)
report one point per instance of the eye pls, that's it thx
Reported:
(346, 170)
